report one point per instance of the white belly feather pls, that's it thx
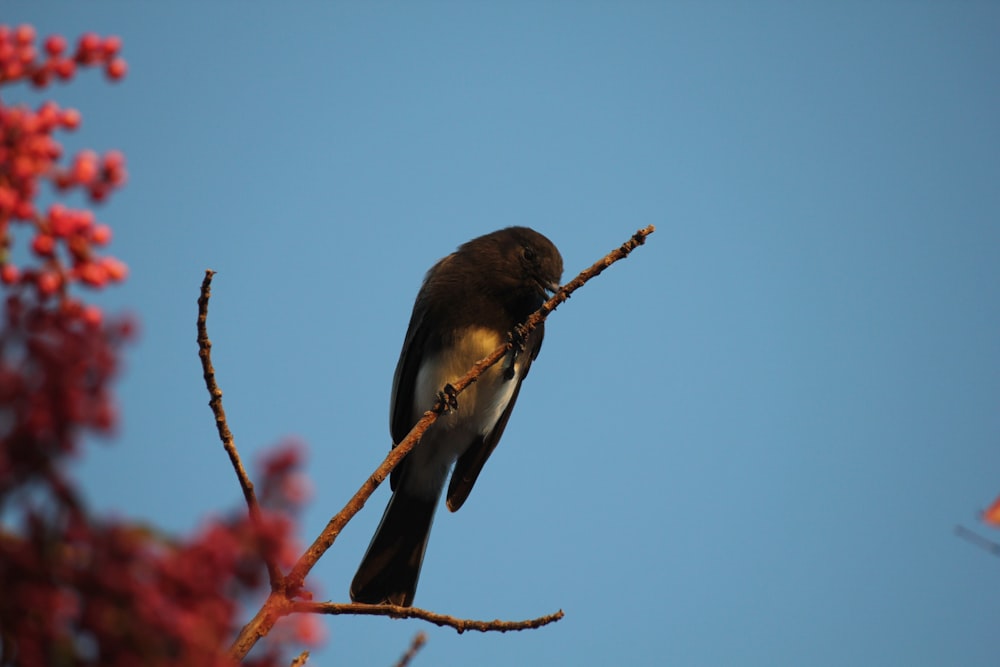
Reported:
(480, 406)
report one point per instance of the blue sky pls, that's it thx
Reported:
(748, 444)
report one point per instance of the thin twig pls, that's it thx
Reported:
(418, 643)
(228, 443)
(301, 660)
(279, 602)
(978, 540)
(442, 620)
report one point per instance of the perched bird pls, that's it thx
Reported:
(467, 304)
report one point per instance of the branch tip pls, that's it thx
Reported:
(222, 425)
(416, 644)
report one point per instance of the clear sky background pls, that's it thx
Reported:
(747, 444)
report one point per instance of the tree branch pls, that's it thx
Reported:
(280, 602)
(418, 643)
(978, 540)
(441, 620)
(228, 443)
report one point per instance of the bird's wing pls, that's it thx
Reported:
(404, 384)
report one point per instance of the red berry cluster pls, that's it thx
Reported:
(20, 58)
(76, 590)
(65, 240)
(56, 367)
(57, 354)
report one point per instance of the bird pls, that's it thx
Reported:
(468, 303)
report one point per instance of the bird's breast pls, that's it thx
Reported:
(482, 403)
(480, 406)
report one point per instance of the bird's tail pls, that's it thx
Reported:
(389, 571)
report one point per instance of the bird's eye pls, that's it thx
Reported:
(528, 253)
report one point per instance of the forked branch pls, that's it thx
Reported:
(284, 590)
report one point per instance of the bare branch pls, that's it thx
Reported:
(418, 643)
(978, 540)
(394, 611)
(228, 443)
(301, 660)
(281, 601)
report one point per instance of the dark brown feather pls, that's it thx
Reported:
(468, 300)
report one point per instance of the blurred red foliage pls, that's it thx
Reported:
(78, 589)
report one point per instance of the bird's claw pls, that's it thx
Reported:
(448, 397)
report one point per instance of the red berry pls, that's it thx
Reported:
(26, 54)
(47, 283)
(92, 316)
(9, 274)
(100, 234)
(60, 222)
(116, 69)
(70, 119)
(93, 274)
(114, 160)
(85, 167)
(49, 148)
(116, 269)
(24, 34)
(8, 199)
(112, 45)
(83, 220)
(12, 69)
(43, 245)
(48, 115)
(309, 629)
(114, 168)
(64, 68)
(87, 46)
(23, 167)
(55, 45)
